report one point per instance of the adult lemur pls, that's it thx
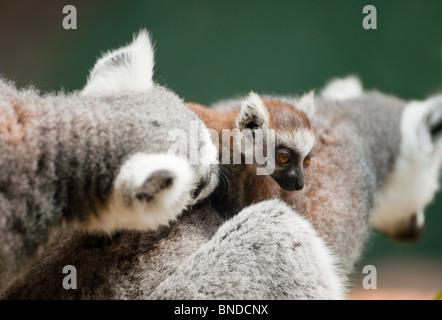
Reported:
(268, 250)
(95, 160)
(138, 264)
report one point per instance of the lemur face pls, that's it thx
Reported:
(294, 142)
(294, 138)
(289, 169)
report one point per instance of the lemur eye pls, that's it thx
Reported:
(283, 157)
(307, 160)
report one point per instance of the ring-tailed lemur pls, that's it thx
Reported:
(287, 155)
(376, 163)
(135, 264)
(138, 265)
(414, 179)
(372, 148)
(97, 160)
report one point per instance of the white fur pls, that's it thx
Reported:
(129, 68)
(299, 139)
(343, 89)
(140, 214)
(307, 104)
(332, 285)
(283, 259)
(253, 108)
(208, 161)
(208, 154)
(415, 178)
(420, 222)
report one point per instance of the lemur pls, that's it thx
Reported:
(91, 159)
(293, 143)
(377, 163)
(368, 144)
(152, 264)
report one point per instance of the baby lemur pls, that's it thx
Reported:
(287, 152)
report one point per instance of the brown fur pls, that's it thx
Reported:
(214, 119)
(130, 265)
(284, 116)
(242, 177)
(13, 123)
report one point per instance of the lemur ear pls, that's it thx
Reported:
(421, 126)
(341, 89)
(307, 104)
(129, 68)
(254, 114)
(434, 117)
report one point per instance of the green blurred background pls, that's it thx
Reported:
(209, 50)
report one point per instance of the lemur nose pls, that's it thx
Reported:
(294, 184)
(412, 231)
(299, 181)
(299, 185)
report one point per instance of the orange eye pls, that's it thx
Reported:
(307, 161)
(283, 158)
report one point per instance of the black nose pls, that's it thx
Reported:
(290, 180)
(411, 232)
(291, 183)
(299, 185)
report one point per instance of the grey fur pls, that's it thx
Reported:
(187, 262)
(284, 259)
(135, 263)
(60, 156)
(260, 252)
(348, 167)
(129, 266)
(357, 150)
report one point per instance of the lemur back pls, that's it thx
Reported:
(290, 150)
(95, 159)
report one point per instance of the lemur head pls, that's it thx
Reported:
(154, 180)
(294, 137)
(415, 178)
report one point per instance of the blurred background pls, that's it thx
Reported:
(209, 50)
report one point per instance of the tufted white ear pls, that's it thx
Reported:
(150, 190)
(254, 114)
(341, 89)
(307, 104)
(422, 124)
(433, 118)
(129, 68)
